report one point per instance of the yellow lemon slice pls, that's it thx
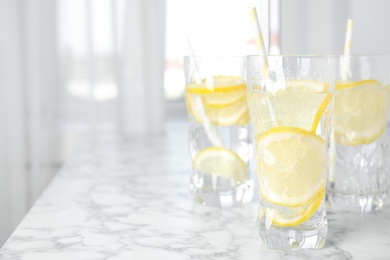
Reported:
(346, 84)
(223, 100)
(229, 115)
(192, 107)
(244, 119)
(216, 84)
(303, 110)
(360, 112)
(292, 216)
(291, 165)
(306, 86)
(300, 86)
(222, 162)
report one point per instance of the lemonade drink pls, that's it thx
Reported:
(357, 180)
(290, 114)
(219, 135)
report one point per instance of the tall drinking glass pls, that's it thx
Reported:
(219, 134)
(357, 180)
(290, 102)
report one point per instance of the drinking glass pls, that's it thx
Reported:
(219, 133)
(357, 179)
(290, 102)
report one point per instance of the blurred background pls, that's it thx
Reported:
(73, 68)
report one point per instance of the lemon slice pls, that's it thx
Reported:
(244, 119)
(229, 115)
(223, 100)
(303, 110)
(291, 165)
(192, 108)
(301, 86)
(216, 84)
(293, 216)
(360, 112)
(344, 85)
(306, 86)
(221, 162)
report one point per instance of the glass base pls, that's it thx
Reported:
(355, 203)
(293, 238)
(238, 195)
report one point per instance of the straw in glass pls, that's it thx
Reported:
(347, 48)
(257, 31)
(258, 38)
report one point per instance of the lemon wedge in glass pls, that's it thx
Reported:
(303, 110)
(223, 99)
(291, 216)
(291, 166)
(222, 162)
(360, 112)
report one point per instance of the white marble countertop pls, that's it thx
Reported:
(129, 199)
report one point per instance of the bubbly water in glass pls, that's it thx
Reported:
(358, 180)
(220, 139)
(312, 232)
(290, 104)
(308, 235)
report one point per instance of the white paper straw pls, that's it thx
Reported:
(347, 49)
(258, 38)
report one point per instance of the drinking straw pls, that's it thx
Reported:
(258, 38)
(347, 48)
(211, 130)
(257, 31)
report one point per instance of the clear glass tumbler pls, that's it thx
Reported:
(220, 140)
(358, 178)
(290, 102)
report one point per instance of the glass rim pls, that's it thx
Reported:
(365, 55)
(214, 56)
(377, 55)
(293, 56)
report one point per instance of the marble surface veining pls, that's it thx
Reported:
(129, 199)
